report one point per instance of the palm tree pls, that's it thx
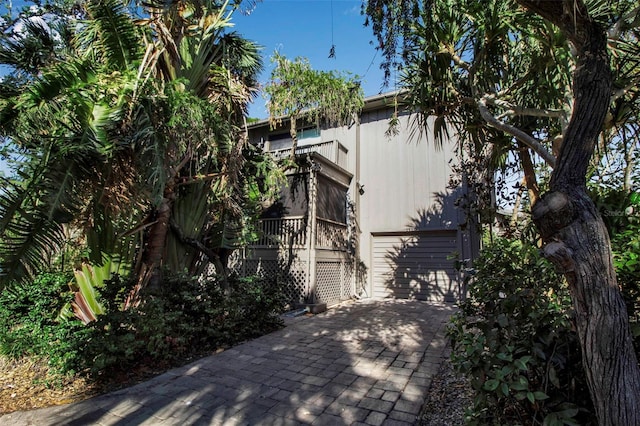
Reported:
(216, 72)
(58, 114)
(136, 133)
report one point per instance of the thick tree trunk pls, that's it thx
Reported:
(576, 238)
(578, 243)
(149, 270)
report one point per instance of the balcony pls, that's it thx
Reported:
(291, 232)
(331, 150)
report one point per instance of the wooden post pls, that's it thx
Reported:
(314, 168)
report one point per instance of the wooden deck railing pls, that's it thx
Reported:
(288, 231)
(331, 234)
(331, 150)
(292, 232)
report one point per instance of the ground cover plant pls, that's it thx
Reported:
(29, 323)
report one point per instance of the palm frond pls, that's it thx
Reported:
(242, 57)
(111, 33)
(27, 246)
(58, 79)
(30, 50)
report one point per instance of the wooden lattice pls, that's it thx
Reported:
(348, 286)
(294, 279)
(329, 282)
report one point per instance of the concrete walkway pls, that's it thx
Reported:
(368, 362)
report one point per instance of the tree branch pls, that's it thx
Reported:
(198, 178)
(624, 90)
(456, 59)
(518, 110)
(530, 141)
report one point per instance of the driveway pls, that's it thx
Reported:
(368, 362)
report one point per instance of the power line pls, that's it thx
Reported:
(370, 64)
(332, 51)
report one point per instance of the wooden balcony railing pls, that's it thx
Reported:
(292, 232)
(331, 234)
(331, 150)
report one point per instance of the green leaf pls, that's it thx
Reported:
(531, 397)
(503, 320)
(491, 385)
(506, 370)
(540, 396)
(520, 386)
(86, 304)
(504, 388)
(521, 363)
(551, 419)
(567, 414)
(504, 357)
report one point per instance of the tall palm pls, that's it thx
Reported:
(59, 115)
(216, 73)
(130, 130)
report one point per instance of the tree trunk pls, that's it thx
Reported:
(149, 271)
(529, 173)
(576, 238)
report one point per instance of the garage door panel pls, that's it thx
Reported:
(415, 266)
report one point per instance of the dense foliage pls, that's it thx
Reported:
(186, 318)
(30, 324)
(621, 212)
(129, 139)
(513, 338)
(297, 92)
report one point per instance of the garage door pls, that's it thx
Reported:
(415, 266)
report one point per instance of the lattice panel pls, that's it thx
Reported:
(348, 283)
(297, 288)
(295, 281)
(328, 281)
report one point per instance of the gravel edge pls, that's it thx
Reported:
(447, 398)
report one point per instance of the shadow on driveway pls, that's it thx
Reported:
(368, 362)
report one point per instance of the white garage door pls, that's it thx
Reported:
(415, 266)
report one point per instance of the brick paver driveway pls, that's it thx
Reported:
(368, 362)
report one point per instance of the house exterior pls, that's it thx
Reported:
(366, 213)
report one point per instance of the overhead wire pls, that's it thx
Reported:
(332, 51)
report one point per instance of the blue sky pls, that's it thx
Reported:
(308, 28)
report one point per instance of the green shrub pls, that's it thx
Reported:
(29, 323)
(513, 339)
(185, 317)
(626, 259)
